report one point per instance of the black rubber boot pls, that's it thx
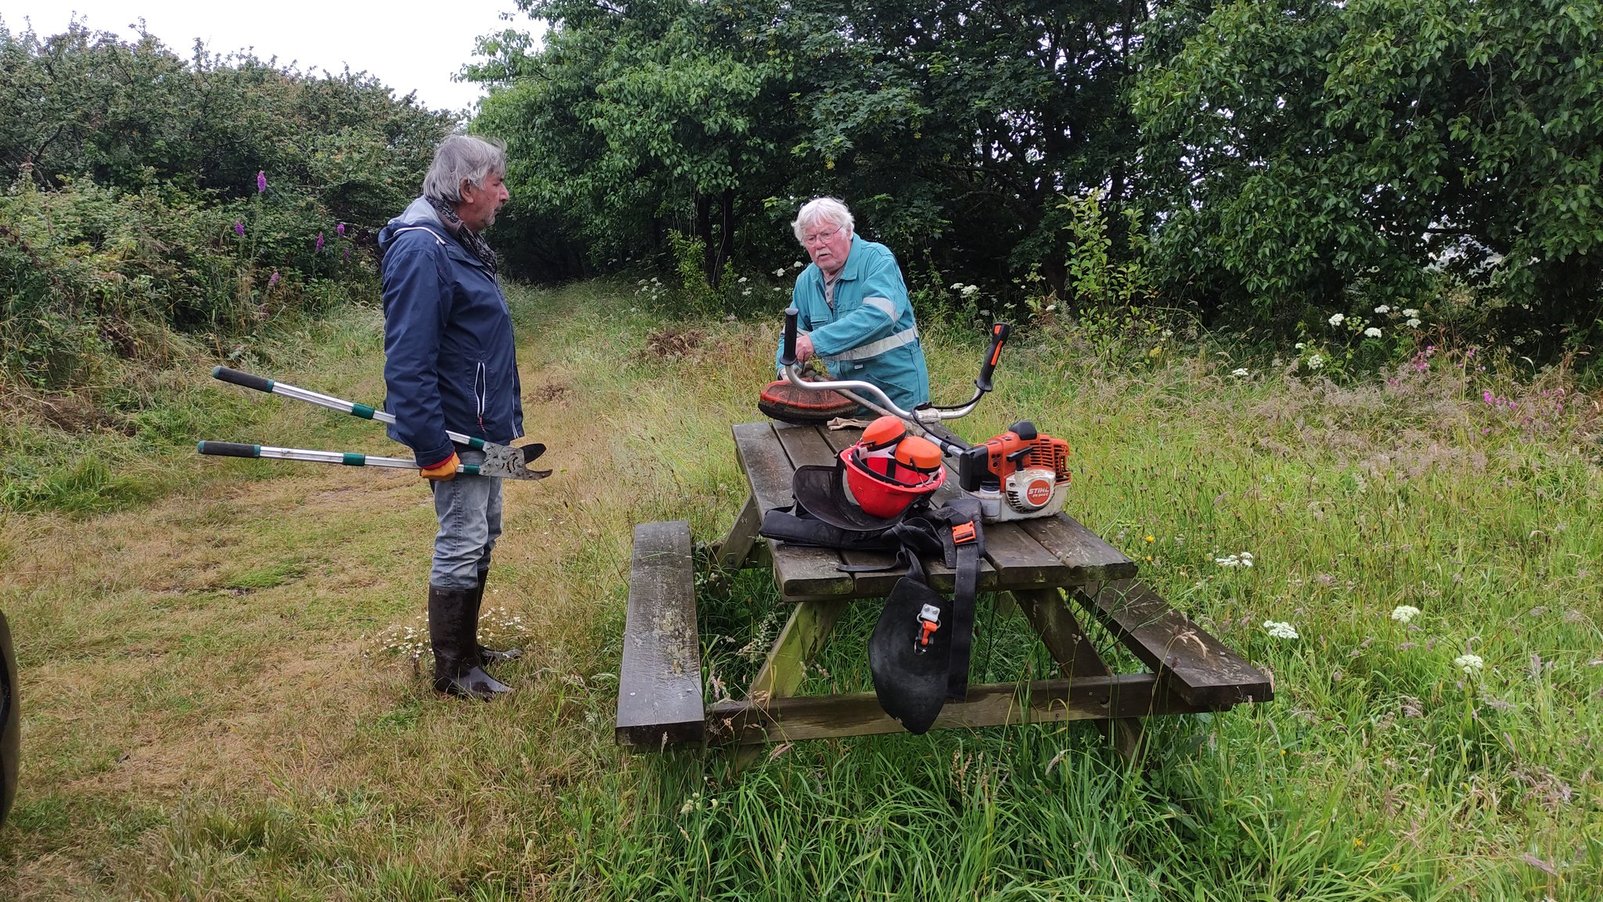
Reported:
(456, 656)
(488, 656)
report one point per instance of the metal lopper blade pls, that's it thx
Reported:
(507, 462)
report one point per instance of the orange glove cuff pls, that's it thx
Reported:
(445, 469)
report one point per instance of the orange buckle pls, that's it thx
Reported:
(963, 533)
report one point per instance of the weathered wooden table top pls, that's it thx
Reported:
(1022, 554)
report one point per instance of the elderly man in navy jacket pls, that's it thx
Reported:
(450, 364)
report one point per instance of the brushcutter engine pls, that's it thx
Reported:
(1016, 475)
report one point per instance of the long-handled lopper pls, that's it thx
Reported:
(500, 461)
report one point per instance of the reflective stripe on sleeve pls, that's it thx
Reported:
(876, 348)
(883, 305)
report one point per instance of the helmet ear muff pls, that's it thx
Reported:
(918, 453)
(883, 433)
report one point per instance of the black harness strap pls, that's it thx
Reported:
(968, 541)
(952, 530)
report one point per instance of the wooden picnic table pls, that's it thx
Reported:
(1045, 564)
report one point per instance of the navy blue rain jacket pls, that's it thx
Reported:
(449, 359)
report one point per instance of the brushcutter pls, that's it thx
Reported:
(1019, 474)
(500, 461)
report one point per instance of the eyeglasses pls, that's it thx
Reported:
(818, 237)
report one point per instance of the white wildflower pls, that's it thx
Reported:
(1404, 613)
(1413, 322)
(957, 286)
(1300, 345)
(970, 290)
(1051, 307)
(742, 280)
(1383, 309)
(796, 265)
(1469, 663)
(1280, 629)
(1240, 559)
(1316, 362)
(1241, 372)
(1337, 319)
(1372, 332)
(1409, 311)
(780, 271)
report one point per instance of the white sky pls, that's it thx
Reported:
(409, 46)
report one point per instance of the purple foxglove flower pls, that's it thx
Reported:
(239, 228)
(347, 255)
(272, 280)
(261, 181)
(340, 230)
(319, 247)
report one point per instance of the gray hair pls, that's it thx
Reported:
(463, 158)
(821, 210)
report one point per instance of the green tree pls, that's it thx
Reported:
(85, 104)
(952, 129)
(1298, 150)
(638, 120)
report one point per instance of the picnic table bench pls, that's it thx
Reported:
(1045, 564)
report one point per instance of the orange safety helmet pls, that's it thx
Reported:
(888, 469)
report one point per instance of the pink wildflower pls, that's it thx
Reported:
(239, 227)
(261, 181)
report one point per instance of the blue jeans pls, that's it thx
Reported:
(469, 510)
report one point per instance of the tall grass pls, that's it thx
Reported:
(215, 708)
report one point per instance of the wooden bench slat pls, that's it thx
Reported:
(992, 704)
(1200, 668)
(1090, 559)
(798, 572)
(659, 681)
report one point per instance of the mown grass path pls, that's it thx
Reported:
(221, 703)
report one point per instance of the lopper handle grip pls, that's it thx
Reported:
(788, 358)
(999, 334)
(229, 449)
(248, 380)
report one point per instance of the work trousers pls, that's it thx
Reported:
(469, 511)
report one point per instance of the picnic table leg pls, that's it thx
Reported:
(733, 551)
(785, 668)
(1048, 611)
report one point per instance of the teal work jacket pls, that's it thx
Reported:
(869, 333)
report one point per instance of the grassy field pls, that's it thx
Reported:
(222, 699)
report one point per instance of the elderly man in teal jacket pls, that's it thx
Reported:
(854, 313)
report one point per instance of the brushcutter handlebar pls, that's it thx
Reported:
(788, 358)
(874, 398)
(999, 334)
